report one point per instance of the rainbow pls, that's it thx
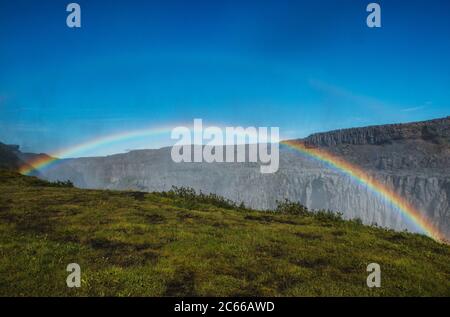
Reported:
(391, 197)
(355, 172)
(44, 161)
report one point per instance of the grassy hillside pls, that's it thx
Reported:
(166, 244)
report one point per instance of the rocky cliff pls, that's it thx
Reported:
(413, 159)
(436, 131)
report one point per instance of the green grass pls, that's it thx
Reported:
(169, 244)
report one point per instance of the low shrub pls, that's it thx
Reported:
(191, 199)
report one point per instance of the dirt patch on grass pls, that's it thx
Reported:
(220, 225)
(312, 263)
(284, 283)
(182, 284)
(351, 269)
(37, 222)
(155, 219)
(308, 235)
(338, 233)
(182, 215)
(140, 196)
(249, 290)
(125, 254)
(273, 250)
(269, 219)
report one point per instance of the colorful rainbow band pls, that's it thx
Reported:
(362, 177)
(45, 161)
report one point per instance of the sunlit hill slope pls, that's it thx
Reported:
(178, 243)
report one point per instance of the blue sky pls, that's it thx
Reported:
(304, 66)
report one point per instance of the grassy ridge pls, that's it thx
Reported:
(150, 244)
